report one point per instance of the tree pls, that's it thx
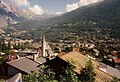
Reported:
(68, 49)
(30, 77)
(118, 54)
(70, 75)
(56, 50)
(87, 74)
(9, 45)
(46, 74)
(43, 75)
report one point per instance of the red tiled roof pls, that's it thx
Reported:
(11, 57)
(75, 49)
(61, 54)
(13, 50)
(0, 52)
(117, 60)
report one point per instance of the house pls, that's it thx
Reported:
(14, 50)
(110, 70)
(59, 64)
(37, 59)
(96, 52)
(75, 49)
(23, 65)
(24, 54)
(114, 53)
(10, 57)
(117, 62)
(1, 53)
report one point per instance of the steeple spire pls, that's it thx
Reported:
(43, 46)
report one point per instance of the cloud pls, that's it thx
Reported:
(25, 3)
(37, 9)
(20, 3)
(73, 6)
(59, 13)
(87, 2)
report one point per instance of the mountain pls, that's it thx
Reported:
(47, 16)
(105, 13)
(104, 16)
(97, 20)
(107, 9)
(10, 14)
(101, 12)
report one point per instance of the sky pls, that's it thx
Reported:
(51, 6)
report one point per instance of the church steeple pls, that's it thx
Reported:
(43, 46)
(44, 49)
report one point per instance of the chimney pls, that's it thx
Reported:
(34, 57)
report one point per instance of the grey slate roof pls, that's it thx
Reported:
(41, 60)
(110, 70)
(24, 64)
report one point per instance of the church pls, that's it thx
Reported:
(44, 49)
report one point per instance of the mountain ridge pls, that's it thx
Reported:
(9, 14)
(93, 20)
(96, 19)
(87, 10)
(8, 11)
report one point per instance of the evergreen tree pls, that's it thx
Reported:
(43, 75)
(68, 49)
(9, 45)
(87, 73)
(30, 77)
(47, 75)
(118, 54)
(70, 75)
(0, 46)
